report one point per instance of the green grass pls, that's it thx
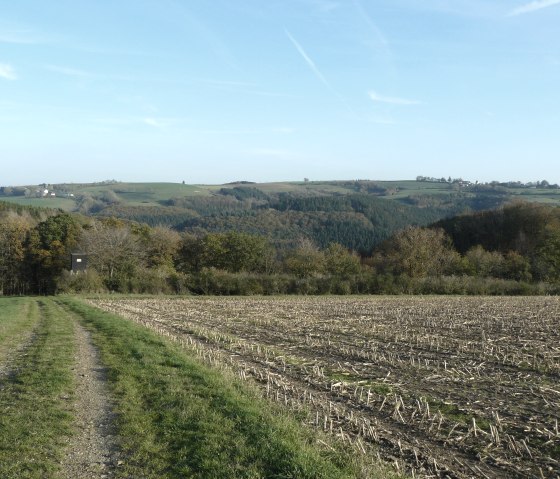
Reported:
(355, 380)
(34, 417)
(18, 316)
(149, 194)
(66, 204)
(179, 418)
(452, 412)
(153, 194)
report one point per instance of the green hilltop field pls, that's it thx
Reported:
(154, 194)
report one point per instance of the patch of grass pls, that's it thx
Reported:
(179, 418)
(452, 411)
(355, 380)
(65, 204)
(153, 193)
(18, 316)
(34, 419)
(379, 388)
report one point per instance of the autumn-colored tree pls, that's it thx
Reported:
(244, 252)
(305, 260)
(13, 232)
(482, 263)
(162, 246)
(420, 252)
(233, 252)
(340, 262)
(49, 246)
(517, 267)
(547, 258)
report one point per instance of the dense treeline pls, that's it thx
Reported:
(511, 250)
(522, 232)
(358, 222)
(359, 217)
(150, 215)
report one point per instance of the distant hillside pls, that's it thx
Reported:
(358, 214)
(520, 227)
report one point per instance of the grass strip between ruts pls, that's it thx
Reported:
(181, 419)
(34, 416)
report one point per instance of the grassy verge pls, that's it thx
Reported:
(18, 316)
(34, 420)
(181, 419)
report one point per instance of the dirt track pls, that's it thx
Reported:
(92, 451)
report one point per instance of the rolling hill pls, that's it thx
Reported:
(356, 213)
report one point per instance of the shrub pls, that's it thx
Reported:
(85, 282)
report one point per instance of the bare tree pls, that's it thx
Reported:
(112, 248)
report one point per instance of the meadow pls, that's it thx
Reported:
(156, 194)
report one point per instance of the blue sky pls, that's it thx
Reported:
(272, 90)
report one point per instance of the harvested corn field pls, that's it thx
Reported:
(440, 387)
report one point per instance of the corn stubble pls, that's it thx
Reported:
(440, 387)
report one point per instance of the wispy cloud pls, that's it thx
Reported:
(245, 131)
(241, 87)
(317, 72)
(160, 123)
(283, 130)
(7, 72)
(269, 153)
(227, 83)
(73, 72)
(183, 14)
(533, 7)
(21, 36)
(155, 122)
(325, 5)
(308, 60)
(84, 74)
(382, 121)
(371, 24)
(376, 97)
(460, 8)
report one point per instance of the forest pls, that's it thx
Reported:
(513, 249)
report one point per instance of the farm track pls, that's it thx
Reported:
(26, 348)
(93, 450)
(446, 387)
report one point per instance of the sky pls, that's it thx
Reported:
(278, 90)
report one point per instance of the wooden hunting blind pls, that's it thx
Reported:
(79, 262)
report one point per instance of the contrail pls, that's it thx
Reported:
(308, 60)
(533, 7)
